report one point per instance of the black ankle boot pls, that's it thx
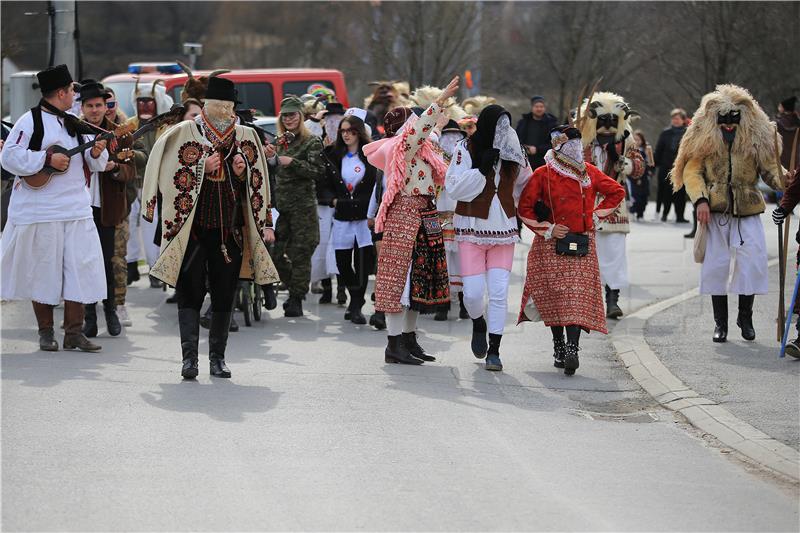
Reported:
(462, 311)
(478, 344)
(270, 300)
(378, 320)
(327, 291)
(441, 313)
(396, 352)
(612, 308)
(293, 307)
(90, 320)
(559, 352)
(356, 316)
(113, 324)
(493, 362)
(409, 340)
(745, 318)
(189, 327)
(47, 340)
(720, 306)
(217, 343)
(571, 362)
(133, 272)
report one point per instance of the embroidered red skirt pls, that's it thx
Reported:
(564, 289)
(412, 238)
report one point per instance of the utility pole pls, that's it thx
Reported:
(63, 24)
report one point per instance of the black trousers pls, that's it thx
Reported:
(355, 267)
(106, 234)
(667, 198)
(203, 258)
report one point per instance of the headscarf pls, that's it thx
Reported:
(483, 138)
(566, 156)
(506, 140)
(395, 119)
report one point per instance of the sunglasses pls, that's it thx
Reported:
(111, 105)
(351, 131)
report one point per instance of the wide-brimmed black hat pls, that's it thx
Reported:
(452, 127)
(221, 89)
(53, 78)
(92, 89)
(334, 108)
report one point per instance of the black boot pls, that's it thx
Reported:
(47, 340)
(720, 305)
(270, 300)
(378, 320)
(217, 342)
(462, 311)
(396, 352)
(341, 293)
(112, 320)
(493, 362)
(205, 320)
(571, 362)
(559, 352)
(356, 316)
(189, 327)
(155, 283)
(293, 307)
(327, 291)
(90, 321)
(441, 313)
(478, 344)
(133, 272)
(409, 340)
(612, 309)
(745, 319)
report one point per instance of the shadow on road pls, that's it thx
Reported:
(221, 400)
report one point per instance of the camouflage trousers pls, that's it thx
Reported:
(121, 235)
(296, 238)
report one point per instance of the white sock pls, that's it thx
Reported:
(410, 322)
(394, 324)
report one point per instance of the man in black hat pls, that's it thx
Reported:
(49, 254)
(533, 130)
(213, 182)
(109, 204)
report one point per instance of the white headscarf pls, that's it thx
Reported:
(506, 140)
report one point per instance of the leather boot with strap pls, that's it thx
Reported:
(73, 336)
(89, 320)
(189, 326)
(44, 319)
(745, 318)
(720, 306)
(218, 342)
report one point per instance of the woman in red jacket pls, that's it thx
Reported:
(562, 286)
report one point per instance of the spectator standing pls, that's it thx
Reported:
(640, 187)
(666, 149)
(533, 130)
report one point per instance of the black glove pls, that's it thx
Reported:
(778, 215)
(488, 159)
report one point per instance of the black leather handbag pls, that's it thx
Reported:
(576, 244)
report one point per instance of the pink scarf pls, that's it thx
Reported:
(389, 155)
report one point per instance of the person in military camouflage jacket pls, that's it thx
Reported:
(299, 166)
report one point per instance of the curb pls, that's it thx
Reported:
(628, 338)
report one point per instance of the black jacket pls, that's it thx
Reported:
(349, 205)
(532, 132)
(667, 149)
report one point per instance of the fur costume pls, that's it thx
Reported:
(386, 96)
(195, 87)
(702, 161)
(474, 105)
(426, 95)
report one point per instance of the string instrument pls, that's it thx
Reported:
(124, 133)
(284, 139)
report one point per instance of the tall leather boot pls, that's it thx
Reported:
(44, 319)
(720, 305)
(73, 336)
(217, 342)
(189, 326)
(113, 324)
(90, 320)
(478, 342)
(745, 318)
(612, 308)
(493, 362)
(341, 293)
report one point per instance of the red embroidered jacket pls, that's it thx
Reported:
(567, 198)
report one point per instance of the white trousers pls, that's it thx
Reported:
(140, 243)
(475, 287)
(323, 262)
(52, 261)
(612, 258)
(742, 241)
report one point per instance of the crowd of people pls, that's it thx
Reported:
(427, 194)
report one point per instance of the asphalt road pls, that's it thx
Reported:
(315, 432)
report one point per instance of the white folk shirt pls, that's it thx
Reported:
(66, 196)
(348, 232)
(464, 183)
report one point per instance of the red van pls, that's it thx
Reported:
(261, 89)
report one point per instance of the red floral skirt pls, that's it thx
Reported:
(564, 289)
(412, 238)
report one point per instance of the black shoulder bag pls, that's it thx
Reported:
(576, 244)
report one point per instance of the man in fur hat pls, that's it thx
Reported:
(729, 144)
(213, 180)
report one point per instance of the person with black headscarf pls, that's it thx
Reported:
(486, 176)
